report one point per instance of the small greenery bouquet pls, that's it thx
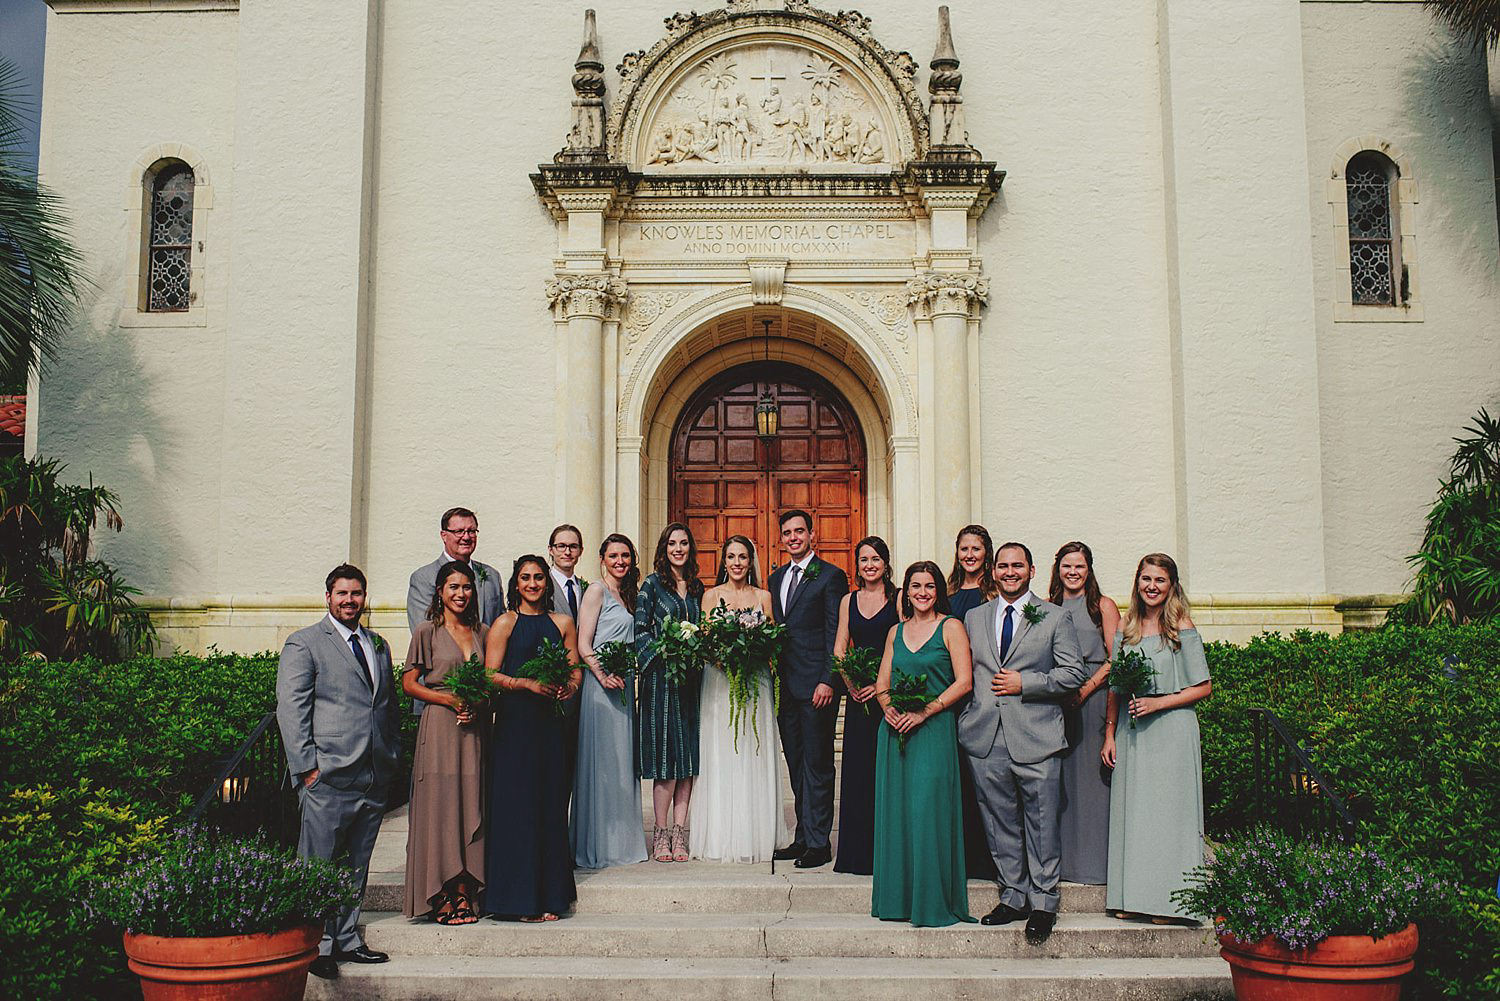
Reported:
(682, 650)
(1131, 674)
(550, 667)
(617, 660)
(199, 886)
(744, 644)
(861, 666)
(1268, 883)
(907, 694)
(470, 682)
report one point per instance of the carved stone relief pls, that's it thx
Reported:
(768, 104)
(645, 309)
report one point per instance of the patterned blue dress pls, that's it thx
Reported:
(667, 717)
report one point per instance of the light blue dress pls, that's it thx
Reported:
(606, 827)
(1156, 798)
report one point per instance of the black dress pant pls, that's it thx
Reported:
(807, 743)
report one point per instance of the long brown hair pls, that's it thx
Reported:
(1090, 583)
(664, 568)
(924, 566)
(876, 543)
(987, 586)
(470, 615)
(1173, 610)
(753, 577)
(513, 586)
(630, 584)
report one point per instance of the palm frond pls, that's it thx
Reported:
(1476, 20)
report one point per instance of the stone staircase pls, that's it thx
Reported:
(654, 931)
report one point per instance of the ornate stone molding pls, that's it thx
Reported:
(601, 295)
(937, 294)
(643, 310)
(767, 279)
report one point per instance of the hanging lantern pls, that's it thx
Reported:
(767, 411)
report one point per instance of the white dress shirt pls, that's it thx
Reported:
(786, 578)
(561, 579)
(365, 643)
(1016, 617)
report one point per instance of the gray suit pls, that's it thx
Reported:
(1013, 742)
(333, 719)
(490, 592)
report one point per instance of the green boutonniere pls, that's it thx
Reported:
(480, 573)
(583, 584)
(377, 642)
(813, 569)
(1033, 614)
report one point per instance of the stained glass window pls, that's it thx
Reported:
(171, 240)
(1373, 270)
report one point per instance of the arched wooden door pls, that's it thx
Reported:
(724, 480)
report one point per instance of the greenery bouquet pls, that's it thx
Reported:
(550, 667)
(682, 649)
(470, 682)
(861, 666)
(617, 660)
(200, 886)
(1130, 674)
(907, 694)
(744, 644)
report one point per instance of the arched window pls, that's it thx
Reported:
(1375, 272)
(170, 239)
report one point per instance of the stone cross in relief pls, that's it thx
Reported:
(770, 73)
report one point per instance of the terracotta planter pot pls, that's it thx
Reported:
(1339, 968)
(268, 967)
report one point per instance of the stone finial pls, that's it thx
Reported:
(945, 116)
(587, 133)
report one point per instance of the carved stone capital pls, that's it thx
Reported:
(585, 201)
(601, 295)
(767, 280)
(939, 294)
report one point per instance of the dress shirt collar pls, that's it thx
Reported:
(562, 580)
(448, 557)
(803, 562)
(344, 631)
(1019, 604)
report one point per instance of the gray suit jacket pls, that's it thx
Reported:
(1046, 655)
(560, 597)
(330, 718)
(424, 581)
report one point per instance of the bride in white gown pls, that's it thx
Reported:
(736, 813)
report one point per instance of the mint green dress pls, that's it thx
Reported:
(1156, 798)
(919, 835)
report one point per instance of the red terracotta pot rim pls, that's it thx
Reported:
(1339, 950)
(147, 941)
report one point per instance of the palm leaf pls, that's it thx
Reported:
(1477, 20)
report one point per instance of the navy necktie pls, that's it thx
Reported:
(1007, 630)
(572, 599)
(359, 655)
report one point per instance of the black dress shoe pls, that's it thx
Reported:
(1003, 915)
(791, 851)
(814, 857)
(325, 967)
(364, 954)
(1039, 926)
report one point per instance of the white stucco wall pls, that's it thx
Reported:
(1394, 394)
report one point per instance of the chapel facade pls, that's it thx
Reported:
(1204, 277)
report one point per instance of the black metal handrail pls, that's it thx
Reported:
(253, 791)
(1290, 791)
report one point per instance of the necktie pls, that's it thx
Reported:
(791, 589)
(359, 655)
(1007, 630)
(572, 599)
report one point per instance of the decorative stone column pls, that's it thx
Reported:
(944, 303)
(585, 303)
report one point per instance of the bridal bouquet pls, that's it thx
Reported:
(861, 666)
(550, 667)
(617, 660)
(470, 682)
(744, 643)
(1130, 674)
(907, 694)
(680, 647)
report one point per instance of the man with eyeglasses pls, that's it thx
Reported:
(564, 549)
(459, 531)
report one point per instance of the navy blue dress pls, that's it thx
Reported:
(528, 860)
(857, 774)
(977, 858)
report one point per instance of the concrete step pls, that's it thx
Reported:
(781, 935)
(563, 978)
(708, 888)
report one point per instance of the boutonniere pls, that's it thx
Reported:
(1033, 614)
(480, 573)
(583, 583)
(377, 642)
(813, 569)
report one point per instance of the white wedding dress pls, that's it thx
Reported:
(735, 814)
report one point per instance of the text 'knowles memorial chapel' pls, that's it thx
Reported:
(1198, 276)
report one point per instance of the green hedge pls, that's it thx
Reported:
(1405, 722)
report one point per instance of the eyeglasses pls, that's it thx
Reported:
(462, 531)
(568, 546)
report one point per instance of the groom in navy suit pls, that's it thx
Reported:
(805, 596)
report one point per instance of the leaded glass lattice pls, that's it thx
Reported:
(171, 241)
(1372, 272)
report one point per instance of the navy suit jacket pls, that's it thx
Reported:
(811, 623)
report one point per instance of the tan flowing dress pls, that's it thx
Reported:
(445, 835)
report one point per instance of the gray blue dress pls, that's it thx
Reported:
(1156, 798)
(1084, 822)
(605, 828)
(667, 717)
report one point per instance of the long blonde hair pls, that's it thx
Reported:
(1173, 611)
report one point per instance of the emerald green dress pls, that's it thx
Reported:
(919, 836)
